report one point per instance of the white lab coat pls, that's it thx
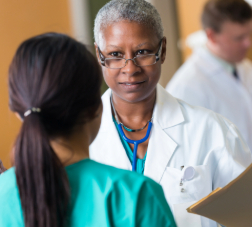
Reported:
(203, 81)
(182, 135)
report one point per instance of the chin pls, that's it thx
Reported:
(240, 59)
(135, 97)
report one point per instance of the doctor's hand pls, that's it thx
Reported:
(2, 168)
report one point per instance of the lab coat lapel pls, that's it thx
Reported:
(167, 114)
(160, 150)
(111, 150)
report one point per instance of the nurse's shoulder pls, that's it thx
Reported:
(8, 183)
(9, 195)
(136, 198)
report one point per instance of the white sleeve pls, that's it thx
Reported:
(234, 158)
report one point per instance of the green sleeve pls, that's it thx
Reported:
(137, 204)
(152, 208)
(10, 204)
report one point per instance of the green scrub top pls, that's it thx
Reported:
(100, 196)
(140, 162)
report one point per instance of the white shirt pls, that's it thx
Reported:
(182, 135)
(204, 80)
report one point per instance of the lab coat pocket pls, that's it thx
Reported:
(182, 194)
(201, 184)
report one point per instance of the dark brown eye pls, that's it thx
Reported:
(115, 54)
(141, 52)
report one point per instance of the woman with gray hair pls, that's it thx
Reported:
(54, 88)
(189, 150)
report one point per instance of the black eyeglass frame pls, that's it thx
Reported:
(102, 58)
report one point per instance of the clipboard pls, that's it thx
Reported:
(231, 205)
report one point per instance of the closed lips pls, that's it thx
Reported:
(132, 83)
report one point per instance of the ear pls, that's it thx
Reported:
(163, 54)
(211, 35)
(97, 53)
(18, 116)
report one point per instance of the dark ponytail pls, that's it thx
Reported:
(42, 181)
(58, 75)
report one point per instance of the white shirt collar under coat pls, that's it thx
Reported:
(211, 65)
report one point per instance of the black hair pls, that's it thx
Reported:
(60, 76)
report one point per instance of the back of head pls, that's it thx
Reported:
(138, 11)
(216, 12)
(58, 76)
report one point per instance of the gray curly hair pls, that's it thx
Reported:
(138, 11)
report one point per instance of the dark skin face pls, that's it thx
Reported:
(133, 87)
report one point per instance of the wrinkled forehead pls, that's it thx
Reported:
(125, 31)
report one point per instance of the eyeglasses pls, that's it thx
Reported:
(139, 60)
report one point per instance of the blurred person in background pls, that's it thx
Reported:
(131, 49)
(218, 76)
(54, 87)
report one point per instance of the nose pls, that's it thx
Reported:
(130, 68)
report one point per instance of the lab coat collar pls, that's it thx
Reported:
(167, 111)
(225, 65)
(215, 70)
(212, 66)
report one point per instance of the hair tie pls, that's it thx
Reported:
(32, 110)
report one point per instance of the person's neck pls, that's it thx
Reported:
(71, 149)
(135, 114)
(214, 50)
